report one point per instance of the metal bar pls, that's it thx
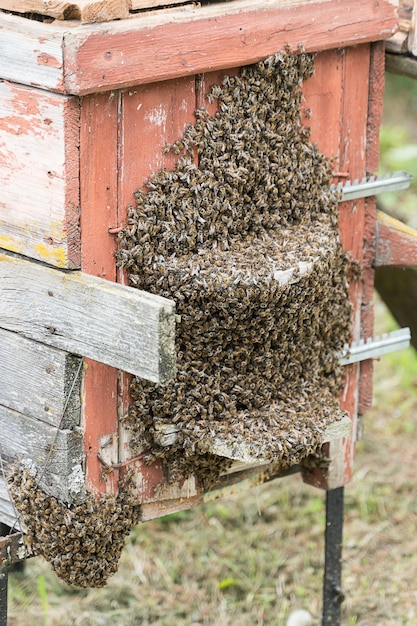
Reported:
(376, 347)
(332, 590)
(372, 186)
(3, 595)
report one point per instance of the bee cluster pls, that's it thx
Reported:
(82, 542)
(243, 236)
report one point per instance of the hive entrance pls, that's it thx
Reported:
(243, 236)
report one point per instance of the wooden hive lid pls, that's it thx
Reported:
(74, 58)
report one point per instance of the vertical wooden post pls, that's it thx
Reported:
(3, 595)
(332, 590)
(98, 174)
(339, 125)
(150, 117)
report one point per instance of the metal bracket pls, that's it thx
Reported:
(375, 347)
(372, 185)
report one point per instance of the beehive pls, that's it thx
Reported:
(94, 114)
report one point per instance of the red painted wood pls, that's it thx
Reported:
(375, 109)
(151, 116)
(159, 47)
(352, 231)
(98, 173)
(396, 243)
(338, 98)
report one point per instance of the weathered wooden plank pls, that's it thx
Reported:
(40, 381)
(31, 52)
(177, 43)
(352, 159)
(405, 40)
(150, 117)
(39, 204)
(407, 66)
(214, 37)
(167, 435)
(13, 549)
(57, 454)
(8, 513)
(83, 10)
(375, 111)
(339, 104)
(99, 169)
(140, 5)
(396, 243)
(89, 316)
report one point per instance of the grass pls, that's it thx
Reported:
(251, 559)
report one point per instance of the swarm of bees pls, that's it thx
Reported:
(244, 238)
(82, 542)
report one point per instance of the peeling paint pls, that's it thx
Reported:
(47, 59)
(157, 116)
(56, 255)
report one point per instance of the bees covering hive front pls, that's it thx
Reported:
(244, 239)
(243, 236)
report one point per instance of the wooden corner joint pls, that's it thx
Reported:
(396, 243)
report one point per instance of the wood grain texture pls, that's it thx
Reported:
(396, 243)
(39, 165)
(375, 109)
(150, 117)
(83, 10)
(42, 382)
(353, 133)
(31, 52)
(99, 169)
(12, 548)
(214, 37)
(8, 513)
(338, 99)
(57, 454)
(89, 316)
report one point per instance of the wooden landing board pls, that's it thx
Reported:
(126, 328)
(39, 165)
(159, 46)
(240, 450)
(42, 382)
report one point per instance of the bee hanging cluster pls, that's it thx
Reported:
(243, 236)
(82, 542)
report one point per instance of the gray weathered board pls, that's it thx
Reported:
(41, 382)
(49, 320)
(39, 174)
(56, 453)
(114, 324)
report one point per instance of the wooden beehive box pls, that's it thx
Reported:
(86, 112)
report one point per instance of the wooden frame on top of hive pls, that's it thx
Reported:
(98, 80)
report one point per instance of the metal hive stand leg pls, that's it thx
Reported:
(332, 592)
(3, 595)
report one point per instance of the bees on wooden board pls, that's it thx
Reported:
(256, 351)
(242, 235)
(83, 541)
